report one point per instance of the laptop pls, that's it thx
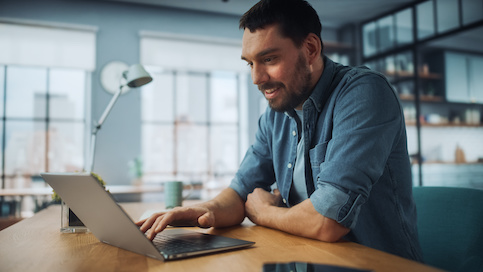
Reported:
(110, 224)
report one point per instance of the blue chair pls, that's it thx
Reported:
(450, 226)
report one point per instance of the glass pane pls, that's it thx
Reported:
(224, 98)
(448, 15)
(26, 92)
(404, 64)
(67, 93)
(191, 98)
(66, 146)
(369, 39)
(404, 27)
(390, 68)
(425, 17)
(192, 149)
(385, 33)
(472, 11)
(157, 96)
(2, 88)
(25, 147)
(224, 149)
(158, 149)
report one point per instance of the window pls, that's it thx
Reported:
(404, 27)
(386, 33)
(425, 17)
(447, 16)
(370, 45)
(192, 113)
(45, 73)
(43, 122)
(191, 128)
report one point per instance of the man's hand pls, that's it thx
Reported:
(179, 216)
(257, 203)
(227, 207)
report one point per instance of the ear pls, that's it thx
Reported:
(313, 48)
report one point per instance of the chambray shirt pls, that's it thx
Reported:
(357, 166)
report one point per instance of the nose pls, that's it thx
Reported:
(259, 74)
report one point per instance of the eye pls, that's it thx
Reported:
(270, 59)
(250, 64)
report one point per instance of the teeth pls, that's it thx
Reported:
(269, 91)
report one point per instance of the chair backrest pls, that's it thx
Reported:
(450, 226)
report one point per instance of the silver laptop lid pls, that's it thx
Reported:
(100, 212)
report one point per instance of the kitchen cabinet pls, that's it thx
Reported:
(464, 77)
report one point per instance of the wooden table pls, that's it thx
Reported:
(36, 244)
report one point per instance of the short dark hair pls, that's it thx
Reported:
(296, 19)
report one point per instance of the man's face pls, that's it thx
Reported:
(278, 68)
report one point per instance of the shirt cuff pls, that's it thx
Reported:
(332, 202)
(239, 188)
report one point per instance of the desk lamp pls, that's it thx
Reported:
(135, 76)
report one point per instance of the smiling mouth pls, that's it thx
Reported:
(270, 93)
(270, 90)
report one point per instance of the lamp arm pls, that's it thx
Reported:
(97, 127)
(108, 108)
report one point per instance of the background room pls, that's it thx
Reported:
(198, 116)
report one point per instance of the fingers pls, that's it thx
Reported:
(151, 224)
(140, 222)
(176, 217)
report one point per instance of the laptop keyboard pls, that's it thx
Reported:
(169, 244)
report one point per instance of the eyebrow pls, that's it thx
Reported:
(263, 53)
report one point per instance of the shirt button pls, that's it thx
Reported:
(294, 133)
(284, 201)
(289, 165)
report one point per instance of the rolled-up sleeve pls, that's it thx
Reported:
(336, 204)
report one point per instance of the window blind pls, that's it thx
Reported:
(47, 46)
(180, 52)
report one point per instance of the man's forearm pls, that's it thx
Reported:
(228, 208)
(302, 219)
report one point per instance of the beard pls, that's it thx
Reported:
(295, 94)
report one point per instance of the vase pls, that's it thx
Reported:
(69, 222)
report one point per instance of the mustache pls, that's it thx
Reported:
(270, 85)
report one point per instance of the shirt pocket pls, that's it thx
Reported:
(317, 157)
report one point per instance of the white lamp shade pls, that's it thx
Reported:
(136, 76)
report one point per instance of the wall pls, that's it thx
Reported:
(118, 25)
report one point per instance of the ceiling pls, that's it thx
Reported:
(333, 13)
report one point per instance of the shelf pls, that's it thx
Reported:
(407, 74)
(422, 98)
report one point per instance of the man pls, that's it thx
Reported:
(333, 140)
